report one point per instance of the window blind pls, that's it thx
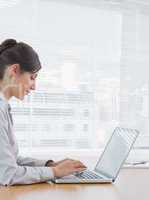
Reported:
(134, 74)
(94, 76)
(76, 104)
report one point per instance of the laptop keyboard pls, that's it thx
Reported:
(88, 175)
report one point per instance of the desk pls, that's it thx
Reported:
(131, 184)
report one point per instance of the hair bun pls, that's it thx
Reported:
(7, 44)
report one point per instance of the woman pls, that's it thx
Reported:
(19, 66)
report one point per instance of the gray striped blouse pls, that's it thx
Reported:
(15, 169)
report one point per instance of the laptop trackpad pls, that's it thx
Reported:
(68, 179)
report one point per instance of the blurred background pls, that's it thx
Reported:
(94, 77)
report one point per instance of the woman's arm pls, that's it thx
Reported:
(27, 161)
(10, 172)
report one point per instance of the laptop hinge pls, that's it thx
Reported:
(105, 175)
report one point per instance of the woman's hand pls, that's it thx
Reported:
(67, 167)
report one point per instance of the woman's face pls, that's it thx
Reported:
(24, 84)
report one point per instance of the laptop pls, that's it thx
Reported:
(110, 162)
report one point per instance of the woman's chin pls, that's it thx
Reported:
(20, 97)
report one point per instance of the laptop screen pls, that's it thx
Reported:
(116, 151)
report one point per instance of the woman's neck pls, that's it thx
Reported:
(5, 91)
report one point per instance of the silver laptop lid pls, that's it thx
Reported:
(116, 152)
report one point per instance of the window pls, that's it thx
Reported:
(134, 88)
(90, 51)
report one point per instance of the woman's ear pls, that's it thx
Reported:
(14, 70)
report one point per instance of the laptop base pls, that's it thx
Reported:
(74, 179)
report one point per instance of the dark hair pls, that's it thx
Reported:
(13, 52)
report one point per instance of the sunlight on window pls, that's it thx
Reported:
(69, 76)
(8, 3)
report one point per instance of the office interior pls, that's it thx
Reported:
(94, 75)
